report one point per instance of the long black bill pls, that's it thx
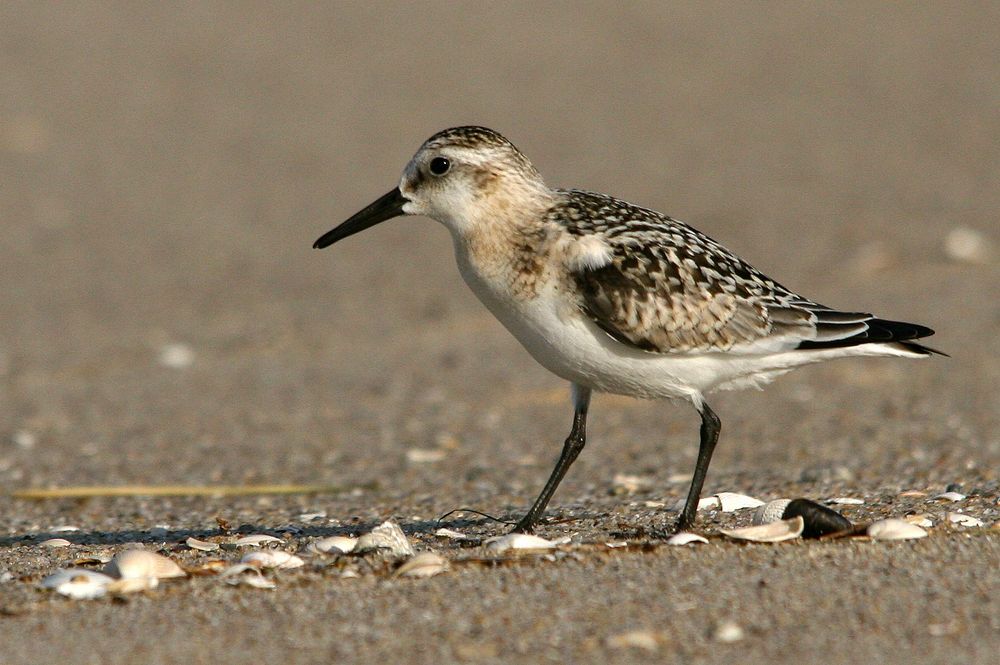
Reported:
(386, 207)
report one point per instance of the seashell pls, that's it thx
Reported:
(424, 455)
(132, 585)
(522, 542)
(176, 356)
(334, 545)
(256, 540)
(964, 520)
(728, 632)
(818, 520)
(386, 536)
(950, 496)
(64, 529)
(731, 501)
(425, 564)
(238, 569)
(55, 542)
(646, 640)
(448, 533)
(775, 532)
(772, 511)
(847, 501)
(256, 581)
(920, 520)
(273, 559)
(685, 538)
(130, 564)
(203, 545)
(895, 529)
(78, 583)
(309, 517)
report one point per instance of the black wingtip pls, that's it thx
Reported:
(882, 331)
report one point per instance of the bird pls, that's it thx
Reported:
(616, 298)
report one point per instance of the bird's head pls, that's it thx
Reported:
(464, 177)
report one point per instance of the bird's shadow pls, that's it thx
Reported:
(478, 528)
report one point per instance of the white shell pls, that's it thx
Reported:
(964, 520)
(256, 540)
(203, 545)
(132, 585)
(55, 542)
(847, 501)
(950, 496)
(637, 639)
(256, 581)
(775, 532)
(425, 564)
(770, 512)
(385, 536)
(309, 517)
(133, 564)
(273, 559)
(78, 583)
(424, 455)
(64, 529)
(728, 632)
(895, 529)
(685, 538)
(524, 542)
(334, 545)
(448, 533)
(731, 501)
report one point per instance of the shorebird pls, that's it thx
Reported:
(613, 297)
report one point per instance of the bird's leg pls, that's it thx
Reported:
(574, 444)
(710, 426)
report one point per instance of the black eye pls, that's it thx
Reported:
(440, 166)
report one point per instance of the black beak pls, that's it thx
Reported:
(386, 207)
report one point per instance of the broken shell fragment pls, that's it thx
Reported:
(950, 496)
(920, 520)
(521, 542)
(425, 564)
(334, 545)
(895, 529)
(78, 583)
(685, 538)
(134, 564)
(256, 540)
(772, 511)
(818, 520)
(775, 532)
(964, 520)
(273, 559)
(203, 545)
(731, 501)
(387, 536)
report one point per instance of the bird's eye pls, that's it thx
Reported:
(440, 166)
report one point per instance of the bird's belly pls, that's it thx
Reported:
(560, 337)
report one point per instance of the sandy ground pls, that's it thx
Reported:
(165, 170)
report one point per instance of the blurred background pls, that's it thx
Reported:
(165, 168)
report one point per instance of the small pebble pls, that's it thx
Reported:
(176, 356)
(646, 640)
(966, 245)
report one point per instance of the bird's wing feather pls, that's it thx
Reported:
(667, 288)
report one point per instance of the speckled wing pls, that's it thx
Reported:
(667, 288)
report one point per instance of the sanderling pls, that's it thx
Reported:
(613, 297)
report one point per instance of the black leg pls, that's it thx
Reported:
(710, 426)
(574, 444)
